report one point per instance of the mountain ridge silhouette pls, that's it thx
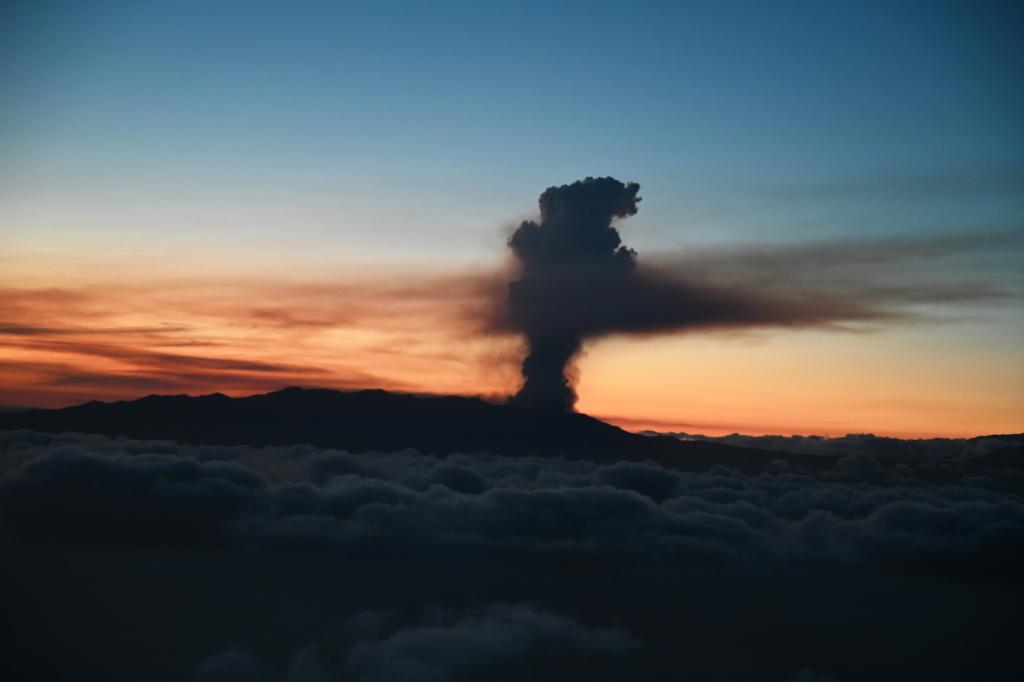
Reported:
(377, 420)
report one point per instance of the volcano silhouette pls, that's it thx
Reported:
(375, 420)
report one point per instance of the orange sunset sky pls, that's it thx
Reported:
(210, 200)
(77, 327)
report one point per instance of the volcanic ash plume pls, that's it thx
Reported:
(577, 282)
(572, 255)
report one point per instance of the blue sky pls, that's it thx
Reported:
(390, 125)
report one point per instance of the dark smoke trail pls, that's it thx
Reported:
(573, 244)
(577, 282)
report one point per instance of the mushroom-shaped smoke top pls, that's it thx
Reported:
(571, 256)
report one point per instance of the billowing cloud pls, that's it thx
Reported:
(69, 494)
(484, 643)
(489, 642)
(304, 564)
(577, 281)
(570, 260)
(862, 511)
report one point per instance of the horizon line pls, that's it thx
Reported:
(670, 427)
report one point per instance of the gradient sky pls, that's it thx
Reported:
(239, 196)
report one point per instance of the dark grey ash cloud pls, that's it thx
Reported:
(577, 281)
(881, 272)
(571, 257)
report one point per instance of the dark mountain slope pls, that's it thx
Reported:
(375, 420)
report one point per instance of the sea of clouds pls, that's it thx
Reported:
(542, 567)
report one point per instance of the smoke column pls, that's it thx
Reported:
(573, 245)
(576, 281)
